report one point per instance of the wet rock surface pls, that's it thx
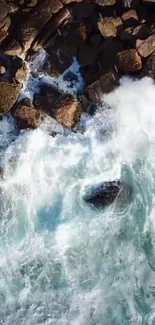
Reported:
(104, 194)
(26, 116)
(63, 107)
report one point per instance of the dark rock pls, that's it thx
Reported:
(105, 2)
(95, 40)
(108, 193)
(51, 27)
(129, 3)
(110, 26)
(149, 67)
(86, 55)
(107, 57)
(82, 10)
(27, 116)
(146, 47)
(4, 9)
(63, 107)
(106, 84)
(129, 61)
(130, 18)
(131, 34)
(9, 94)
(13, 48)
(57, 62)
(70, 76)
(18, 69)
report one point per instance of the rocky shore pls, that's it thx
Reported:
(109, 38)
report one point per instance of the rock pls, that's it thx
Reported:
(4, 9)
(104, 194)
(130, 18)
(29, 28)
(13, 48)
(129, 61)
(131, 34)
(51, 27)
(129, 3)
(82, 10)
(64, 108)
(149, 67)
(9, 94)
(110, 26)
(18, 69)
(86, 55)
(57, 63)
(105, 2)
(95, 40)
(27, 116)
(70, 43)
(71, 77)
(106, 84)
(146, 47)
(148, 1)
(2, 69)
(107, 57)
(21, 73)
(66, 2)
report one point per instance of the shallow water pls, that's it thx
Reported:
(62, 262)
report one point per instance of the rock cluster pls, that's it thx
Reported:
(109, 38)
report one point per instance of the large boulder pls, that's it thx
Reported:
(64, 108)
(129, 61)
(27, 116)
(104, 194)
(57, 62)
(110, 26)
(106, 84)
(9, 93)
(146, 47)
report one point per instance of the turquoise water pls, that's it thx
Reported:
(62, 262)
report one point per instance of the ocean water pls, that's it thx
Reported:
(61, 261)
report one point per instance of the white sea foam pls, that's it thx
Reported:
(62, 262)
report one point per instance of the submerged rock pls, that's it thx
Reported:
(104, 194)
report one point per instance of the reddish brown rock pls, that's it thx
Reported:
(51, 27)
(27, 116)
(9, 94)
(129, 61)
(110, 26)
(4, 9)
(29, 28)
(146, 47)
(65, 108)
(106, 84)
(130, 18)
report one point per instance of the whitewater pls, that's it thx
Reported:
(63, 262)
